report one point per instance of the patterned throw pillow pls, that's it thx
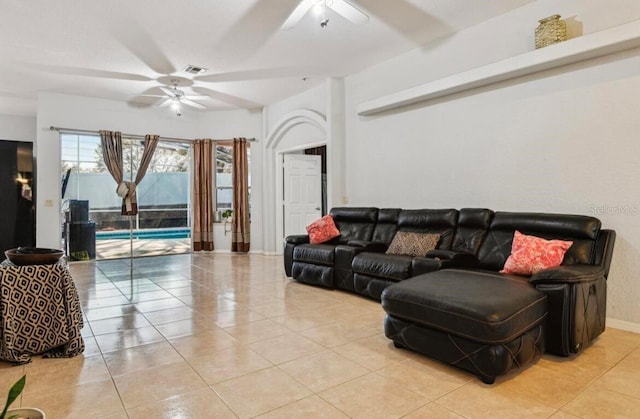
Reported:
(322, 230)
(412, 244)
(531, 254)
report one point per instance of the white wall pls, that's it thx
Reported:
(313, 99)
(93, 114)
(564, 140)
(17, 128)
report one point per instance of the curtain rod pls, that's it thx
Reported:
(135, 136)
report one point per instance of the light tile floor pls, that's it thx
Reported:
(226, 336)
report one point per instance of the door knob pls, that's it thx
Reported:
(317, 208)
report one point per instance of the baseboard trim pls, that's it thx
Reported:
(252, 252)
(624, 325)
(270, 253)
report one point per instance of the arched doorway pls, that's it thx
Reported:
(280, 142)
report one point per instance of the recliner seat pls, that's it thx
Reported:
(372, 272)
(314, 263)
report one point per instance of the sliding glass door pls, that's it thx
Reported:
(92, 224)
(163, 224)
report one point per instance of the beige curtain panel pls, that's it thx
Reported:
(202, 212)
(112, 155)
(130, 204)
(240, 227)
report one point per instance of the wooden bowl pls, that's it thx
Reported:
(33, 256)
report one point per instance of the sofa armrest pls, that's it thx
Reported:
(297, 239)
(344, 254)
(290, 243)
(576, 305)
(368, 246)
(422, 265)
(568, 274)
(457, 259)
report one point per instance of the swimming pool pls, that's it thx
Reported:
(150, 233)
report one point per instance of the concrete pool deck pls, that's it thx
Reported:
(120, 248)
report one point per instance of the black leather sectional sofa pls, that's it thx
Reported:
(452, 303)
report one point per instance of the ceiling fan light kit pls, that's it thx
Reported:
(176, 98)
(175, 105)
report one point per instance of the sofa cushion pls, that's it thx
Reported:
(386, 226)
(354, 223)
(313, 274)
(412, 244)
(394, 267)
(473, 224)
(320, 254)
(482, 306)
(438, 221)
(531, 254)
(322, 230)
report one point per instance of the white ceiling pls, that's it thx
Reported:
(123, 49)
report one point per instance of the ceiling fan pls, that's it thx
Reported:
(342, 7)
(176, 98)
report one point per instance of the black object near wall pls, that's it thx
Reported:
(17, 195)
(79, 231)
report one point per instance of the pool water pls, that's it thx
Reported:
(155, 233)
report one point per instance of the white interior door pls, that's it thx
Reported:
(302, 192)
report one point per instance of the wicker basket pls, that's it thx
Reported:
(550, 31)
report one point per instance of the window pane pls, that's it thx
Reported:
(224, 176)
(224, 198)
(163, 194)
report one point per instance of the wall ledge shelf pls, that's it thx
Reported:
(597, 44)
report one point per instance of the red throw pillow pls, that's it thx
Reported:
(322, 230)
(531, 254)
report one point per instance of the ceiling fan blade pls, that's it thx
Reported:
(166, 103)
(196, 97)
(262, 74)
(253, 30)
(168, 91)
(192, 104)
(412, 22)
(297, 14)
(138, 104)
(15, 95)
(227, 98)
(137, 40)
(89, 72)
(149, 97)
(348, 11)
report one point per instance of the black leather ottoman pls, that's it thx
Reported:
(483, 322)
